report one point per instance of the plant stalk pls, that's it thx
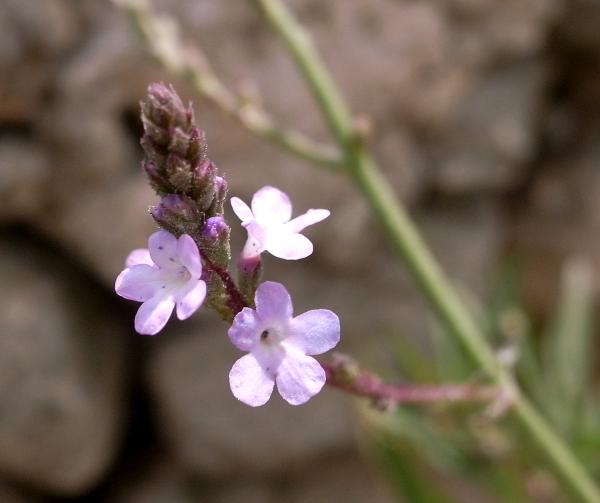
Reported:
(409, 244)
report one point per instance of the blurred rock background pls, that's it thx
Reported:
(487, 122)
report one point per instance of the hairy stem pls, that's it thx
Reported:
(409, 245)
(236, 301)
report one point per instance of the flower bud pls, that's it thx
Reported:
(171, 141)
(178, 173)
(249, 274)
(215, 229)
(220, 187)
(203, 180)
(157, 180)
(214, 240)
(177, 214)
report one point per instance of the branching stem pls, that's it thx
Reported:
(163, 39)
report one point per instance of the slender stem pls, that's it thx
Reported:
(410, 246)
(161, 35)
(236, 301)
(346, 376)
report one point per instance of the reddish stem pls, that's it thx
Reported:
(344, 374)
(236, 302)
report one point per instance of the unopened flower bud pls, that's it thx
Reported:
(215, 228)
(220, 186)
(249, 274)
(165, 108)
(214, 239)
(171, 141)
(179, 142)
(159, 183)
(197, 149)
(177, 214)
(203, 184)
(178, 173)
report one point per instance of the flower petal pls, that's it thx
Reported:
(138, 256)
(271, 206)
(163, 249)
(249, 382)
(255, 244)
(288, 246)
(245, 330)
(153, 314)
(241, 209)
(299, 378)
(139, 282)
(273, 302)
(192, 300)
(188, 255)
(315, 332)
(311, 217)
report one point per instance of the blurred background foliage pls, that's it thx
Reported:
(422, 450)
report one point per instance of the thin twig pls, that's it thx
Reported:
(236, 301)
(344, 374)
(162, 37)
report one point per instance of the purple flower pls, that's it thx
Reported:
(165, 275)
(270, 228)
(278, 346)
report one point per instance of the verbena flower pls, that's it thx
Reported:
(270, 228)
(279, 346)
(162, 277)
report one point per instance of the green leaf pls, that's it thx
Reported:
(566, 346)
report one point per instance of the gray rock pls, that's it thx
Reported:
(159, 482)
(23, 178)
(33, 37)
(100, 227)
(560, 220)
(10, 494)
(61, 393)
(494, 134)
(342, 479)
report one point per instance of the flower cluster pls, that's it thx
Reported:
(187, 261)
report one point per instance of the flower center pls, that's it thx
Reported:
(270, 336)
(183, 275)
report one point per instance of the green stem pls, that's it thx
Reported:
(408, 243)
(162, 37)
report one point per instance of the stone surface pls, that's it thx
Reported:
(158, 482)
(562, 202)
(62, 374)
(342, 479)
(33, 39)
(24, 174)
(494, 133)
(11, 494)
(338, 478)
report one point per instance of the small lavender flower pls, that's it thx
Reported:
(270, 228)
(278, 346)
(165, 275)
